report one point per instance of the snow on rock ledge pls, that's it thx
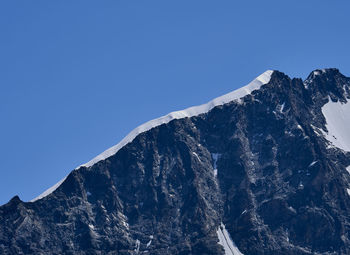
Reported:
(226, 241)
(189, 112)
(337, 116)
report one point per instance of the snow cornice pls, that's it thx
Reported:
(262, 79)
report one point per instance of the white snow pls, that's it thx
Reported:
(149, 243)
(282, 107)
(262, 79)
(226, 241)
(292, 209)
(348, 190)
(215, 157)
(49, 190)
(196, 156)
(189, 112)
(337, 116)
(123, 219)
(313, 163)
(348, 169)
(137, 246)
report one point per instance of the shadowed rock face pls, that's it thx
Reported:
(260, 166)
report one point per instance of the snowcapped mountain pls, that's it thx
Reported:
(262, 170)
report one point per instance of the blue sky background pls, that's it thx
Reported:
(77, 76)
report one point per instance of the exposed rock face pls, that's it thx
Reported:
(260, 166)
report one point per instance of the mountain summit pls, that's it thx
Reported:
(264, 169)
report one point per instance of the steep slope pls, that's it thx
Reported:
(262, 171)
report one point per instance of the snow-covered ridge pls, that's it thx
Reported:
(189, 112)
(49, 190)
(262, 79)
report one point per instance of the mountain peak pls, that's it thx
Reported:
(237, 94)
(328, 82)
(322, 73)
(268, 173)
(15, 199)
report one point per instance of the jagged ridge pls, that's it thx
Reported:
(260, 171)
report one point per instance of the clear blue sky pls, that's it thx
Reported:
(77, 76)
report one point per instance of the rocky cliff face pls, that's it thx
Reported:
(258, 175)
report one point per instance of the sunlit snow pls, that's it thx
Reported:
(313, 163)
(226, 241)
(189, 112)
(337, 116)
(137, 244)
(196, 156)
(215, 157)
(49, 190)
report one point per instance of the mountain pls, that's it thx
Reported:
(262, 170)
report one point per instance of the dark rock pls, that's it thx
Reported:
(159, 194)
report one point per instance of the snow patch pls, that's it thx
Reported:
(149, 243)
(137, 246)
(226, 241)
(337, 116)
(301, 185)
(292, 209)
(215, 157)
(123, 219)
(317, 130)
(348, 190)
(282, 107)
(313, 163)
(348, 169)
(197, 156)
(49, 190)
